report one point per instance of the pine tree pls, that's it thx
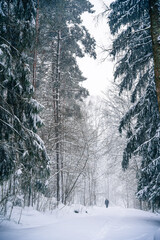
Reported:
(65, 39)
(22, 152)
(129, 22)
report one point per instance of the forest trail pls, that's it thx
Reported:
(113, 223)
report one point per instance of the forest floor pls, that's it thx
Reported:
(96, 223)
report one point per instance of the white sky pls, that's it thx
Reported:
(98, 73)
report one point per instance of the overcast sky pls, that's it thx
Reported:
(99, 74)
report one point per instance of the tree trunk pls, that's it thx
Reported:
(62, 182)
(29, 195)
(56, 81)
(140, 204)
(155, 34)
(35, 49)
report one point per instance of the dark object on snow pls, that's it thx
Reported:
(106, 203)
(76, 211)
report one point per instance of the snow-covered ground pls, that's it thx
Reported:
(95, 223)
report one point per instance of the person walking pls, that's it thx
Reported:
(106, 203)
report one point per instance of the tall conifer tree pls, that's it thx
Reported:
(129, 22)
(22, 152)
(63, 38)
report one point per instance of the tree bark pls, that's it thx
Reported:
(35, 49)
(56, 81)
(155, 34)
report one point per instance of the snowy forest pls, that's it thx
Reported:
(58, 145)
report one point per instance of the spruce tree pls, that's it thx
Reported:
(62, 38)
(129, 22)
(22, 152)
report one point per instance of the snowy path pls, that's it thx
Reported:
(98, 224)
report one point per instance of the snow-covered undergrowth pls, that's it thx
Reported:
(77, 222)
(29, 217)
